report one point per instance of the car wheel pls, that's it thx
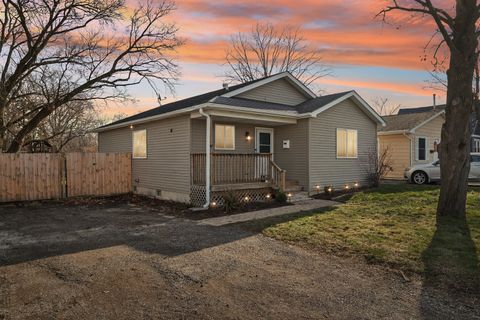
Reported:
(419, 177)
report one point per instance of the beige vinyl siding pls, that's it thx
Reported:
(431, 130)
(241, 143)
(295, 159)
(398, 152)
(325, 168)
(278, 91)
(167, 166)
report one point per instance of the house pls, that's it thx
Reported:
(412, 137)
(247, 139)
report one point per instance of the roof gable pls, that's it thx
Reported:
(279, 91)
(334, 99)
(409, 121)
(272, 82)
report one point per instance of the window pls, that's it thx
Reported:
(347, 144)
(224, 137)
(476, 145)
(421, 149)
(140, 144)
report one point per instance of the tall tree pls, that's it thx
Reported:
(384, 107)
(55, 52)
(266, 50)
(459, 34)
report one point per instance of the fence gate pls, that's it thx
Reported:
(98, 174)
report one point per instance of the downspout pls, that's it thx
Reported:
(410, 149)
(207, 158)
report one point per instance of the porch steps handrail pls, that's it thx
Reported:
(278, 176)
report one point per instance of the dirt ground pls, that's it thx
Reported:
(123, 261)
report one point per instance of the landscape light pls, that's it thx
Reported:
(356, 184)
(317, 187)
(268, 196)
(347, 187)
(214, 204)
(246, 198)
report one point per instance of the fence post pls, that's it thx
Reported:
(63, 175)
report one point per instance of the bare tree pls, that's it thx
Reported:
(458, 32)
(69, 127)
(267, 50)
(384, 107)
(66, 51)
(378, 165)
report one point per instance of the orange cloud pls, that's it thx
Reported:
(409, 88)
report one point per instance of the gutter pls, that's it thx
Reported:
(207, 160)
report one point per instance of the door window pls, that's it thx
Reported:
(264, 142)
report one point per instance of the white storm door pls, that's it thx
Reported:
(263, 145)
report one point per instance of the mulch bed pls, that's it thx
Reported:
(168, 207)
(339, 195)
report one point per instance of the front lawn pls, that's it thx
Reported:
(394, 225)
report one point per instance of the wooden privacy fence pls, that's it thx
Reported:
(28, 176)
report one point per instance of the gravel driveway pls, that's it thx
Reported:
(127, 262)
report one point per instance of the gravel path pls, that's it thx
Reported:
(127, 262)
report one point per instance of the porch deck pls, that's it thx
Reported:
(229, 171)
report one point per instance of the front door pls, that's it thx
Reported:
(263, 145)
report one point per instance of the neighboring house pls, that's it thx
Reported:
(268, 133)
(412, 137)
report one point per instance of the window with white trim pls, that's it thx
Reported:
(421, 148)
(139, 144)
(347, 143)
(224, 137)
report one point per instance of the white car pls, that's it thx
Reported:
(425, 173)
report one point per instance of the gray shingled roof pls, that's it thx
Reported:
(318, 102)
(216, 97)
(181, 104)
(406, 121)
(254, 104)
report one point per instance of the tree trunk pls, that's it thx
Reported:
(455, 144)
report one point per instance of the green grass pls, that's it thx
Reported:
(394, 225)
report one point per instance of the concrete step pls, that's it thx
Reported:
(293, 189)
(299, 196)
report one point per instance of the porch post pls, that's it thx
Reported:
(207, 157)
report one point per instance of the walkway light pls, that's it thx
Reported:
(247, 198)
(268, 196)
(347, 187)
(214, 204)
(356, 184)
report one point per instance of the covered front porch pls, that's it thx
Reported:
(235, 153)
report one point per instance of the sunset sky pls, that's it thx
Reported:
(376, 59)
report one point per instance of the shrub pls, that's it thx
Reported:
(281, 197)
(230, 202)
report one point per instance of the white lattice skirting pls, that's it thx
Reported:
(197, 195)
